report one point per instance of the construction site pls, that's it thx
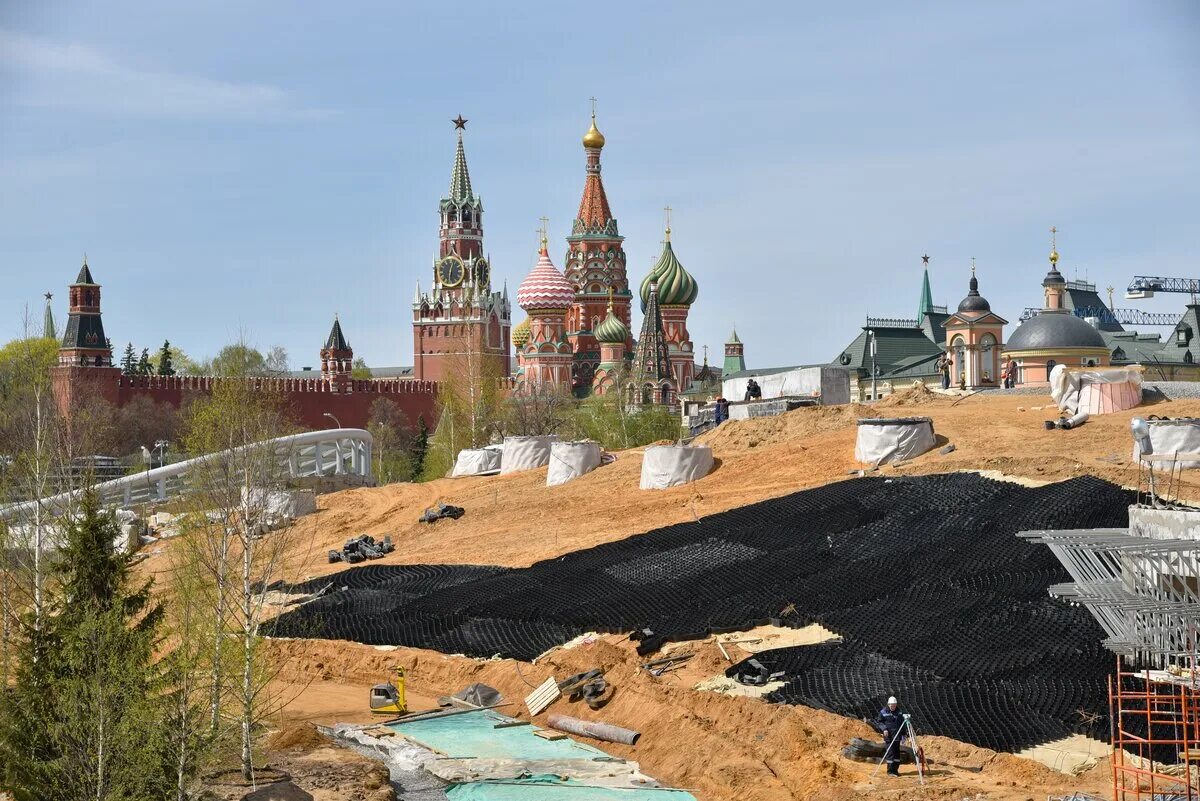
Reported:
(1024, 586)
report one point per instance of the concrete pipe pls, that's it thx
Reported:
(597, 731)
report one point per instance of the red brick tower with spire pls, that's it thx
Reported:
(460, 317)
(595, 263)
(85, 369)
(337, 360)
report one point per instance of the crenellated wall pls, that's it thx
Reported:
(310, 399)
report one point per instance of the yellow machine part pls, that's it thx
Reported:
(389, 698)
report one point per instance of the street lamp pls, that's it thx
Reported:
(160, 446)
(334, 419)
(874, 369)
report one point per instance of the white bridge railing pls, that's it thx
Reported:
(333, 452)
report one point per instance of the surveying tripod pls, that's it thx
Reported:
(905, 728)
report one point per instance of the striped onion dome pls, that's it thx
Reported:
(521, 334)
(676, 287)
(611, 330)
(545, 287)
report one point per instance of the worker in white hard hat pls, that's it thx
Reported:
(891, 724)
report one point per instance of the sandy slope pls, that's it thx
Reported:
(723, 748)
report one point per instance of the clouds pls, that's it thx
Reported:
(46, 74)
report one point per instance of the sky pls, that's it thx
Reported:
(237, 169)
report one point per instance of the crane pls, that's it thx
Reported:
(1144, 286)
(1122, 316)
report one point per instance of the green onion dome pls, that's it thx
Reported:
(520, 334)
(676, 287)
(611, 330)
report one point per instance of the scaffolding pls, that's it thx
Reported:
(1155, 727)
(1142, 585)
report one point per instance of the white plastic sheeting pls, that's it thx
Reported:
(1167, 437)
(570, 460)
(893, 440)
(832, 383)
(477, 462)
(525, 453)
(666, 466)
(1096, 390)
(277, 507)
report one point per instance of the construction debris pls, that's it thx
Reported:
(590, 687)
(362, 548)
(594, 729)
(667, 664)
(545, 695)
(442, 510)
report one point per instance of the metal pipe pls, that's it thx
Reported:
(597, 731)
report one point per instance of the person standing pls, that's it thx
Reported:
(943, 366)
(891, 724)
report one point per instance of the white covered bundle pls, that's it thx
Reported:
(476, 462)
(666, 466)
(525, 453)
(1096, 390)
(1167, 438)
(881, 441)
(570, 460)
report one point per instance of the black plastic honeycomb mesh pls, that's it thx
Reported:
(935, 597)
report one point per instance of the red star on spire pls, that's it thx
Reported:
(459, 122)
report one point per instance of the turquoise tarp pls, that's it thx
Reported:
(474, 734)
(550, 788)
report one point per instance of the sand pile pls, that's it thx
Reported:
(916, 395)
(738, 435)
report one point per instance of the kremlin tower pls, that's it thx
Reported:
(547, 296)
(460, 317)
(337, 360)
(595, 266)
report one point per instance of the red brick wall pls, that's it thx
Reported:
(308, 398)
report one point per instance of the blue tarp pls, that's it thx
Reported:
(474, 735)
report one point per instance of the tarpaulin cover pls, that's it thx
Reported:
(925, 573)
(525, 453)
(552, 788)
(1096, 390)
(569, 460)
(666, 466)
(476, 462)
(831, 383)
(893, 440)
(1180, 435)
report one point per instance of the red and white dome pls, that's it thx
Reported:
(545, 287)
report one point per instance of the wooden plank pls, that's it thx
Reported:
(546, 734)
(542, 697)
(508, 724)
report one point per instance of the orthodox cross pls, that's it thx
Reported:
(1110, 291)
(593, 106)
(1053, 237)
(667, 209)
(542, 230)
(972, 265)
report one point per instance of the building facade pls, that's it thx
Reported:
(974, 337)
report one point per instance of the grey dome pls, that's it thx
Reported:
(974, 302)
(1051, 330)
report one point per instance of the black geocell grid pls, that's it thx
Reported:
(936, 599)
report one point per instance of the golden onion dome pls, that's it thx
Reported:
(593, 138)
(521, 334)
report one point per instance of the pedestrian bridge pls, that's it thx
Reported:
(332, 452)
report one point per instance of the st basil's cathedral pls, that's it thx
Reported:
(579, 334)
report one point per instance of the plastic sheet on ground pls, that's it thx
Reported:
(476, 462)
(570, 460)
(881, 441)
(552, 788)
(1096, 390)
(525, 453)
(1180, 435)
(924, 576)
(666, 466)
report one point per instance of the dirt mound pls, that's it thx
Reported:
(303, 736)
(916, 395)
(739, 435)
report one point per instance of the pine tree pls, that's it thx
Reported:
(129, 361)
(165, 366)
(418, 448)
(86, 716)
(143, 365)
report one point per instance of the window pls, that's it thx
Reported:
(1050, 365)
(1187, 357)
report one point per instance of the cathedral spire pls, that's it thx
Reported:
(650, 359)
(594, 213)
